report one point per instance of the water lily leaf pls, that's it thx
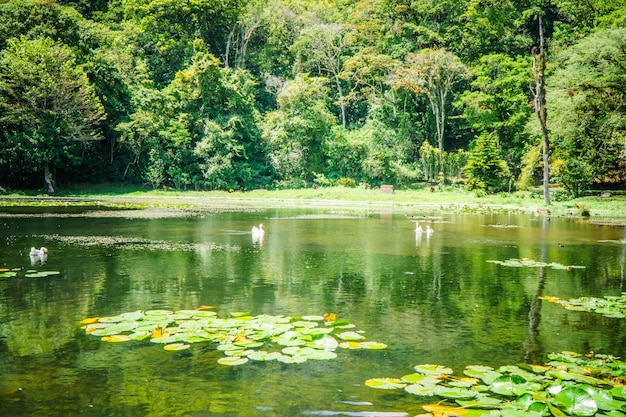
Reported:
(313, 318)
(433, 369)
(176, 346)
(421, 390)
(8, 274)
(288, 340)
(139, 335)
(232, 360)
(257, 355)
(509, 385)
(116, 338)
(89, 320)
(480, 401)
(576, 401)
(158, 312)
(385, 383)
(372, 345)
(251, 344)
(40, 274)
(204, 314)
(272, 356)
(239, 314)
(455, 393)
(619, 392)
(570, 376)
(603, 398)
(166, 339)
(291, 359)
(484, 373)
(321, 355)
(422, 379)
(325, 343)
(305, 324)
(445, 410)
(297, 351)
(350, 336)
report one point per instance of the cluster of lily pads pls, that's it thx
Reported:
(240, 336)
(529, 263)
(6, 273)
(609, 306)
(569, 384)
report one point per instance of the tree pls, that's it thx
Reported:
(588, 108)
(297, 132)
(498, 102)
(321, 48)
(433, 73)
(486, 171)
(539, 67)
(48, 108)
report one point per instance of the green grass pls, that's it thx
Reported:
(450, 198)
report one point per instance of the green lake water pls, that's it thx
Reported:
(432, 299)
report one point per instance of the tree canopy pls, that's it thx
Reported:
(290, 93)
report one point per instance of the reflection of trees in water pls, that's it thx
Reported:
(533, 344)
(622, 263)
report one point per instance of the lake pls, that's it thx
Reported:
(431, 299)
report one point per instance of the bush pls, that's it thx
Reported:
(346, 182)
(576, 177)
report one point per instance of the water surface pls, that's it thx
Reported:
(431, 299)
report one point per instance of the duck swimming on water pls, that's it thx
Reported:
(258, 231)
(38, 255)
(38, 252)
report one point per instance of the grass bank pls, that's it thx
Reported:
(448, 199)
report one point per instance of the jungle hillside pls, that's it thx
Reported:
(242, 95)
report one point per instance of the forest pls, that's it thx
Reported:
(243, 95)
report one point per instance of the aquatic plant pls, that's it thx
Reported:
(569, 384)
(240, 336)
(6, 273)
(609, 306)
(529, 263)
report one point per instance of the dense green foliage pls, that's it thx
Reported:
(289, 93)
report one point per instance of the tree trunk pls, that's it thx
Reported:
(48, 179)
(539, 66)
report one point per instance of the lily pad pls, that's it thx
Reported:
(7, 274)
(529, 263)
(232, 360)
(237, 336)
(509, 385)
(176, 346)
(433, 370)
(116, 338)
(350, 336)
(41, 274)
(576, 401)
(421, 390)
(385, 383)
(455, 393)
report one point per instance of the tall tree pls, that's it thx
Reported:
(48, 108)
(498, 101)
(321, 48)
(587, 106)
(433, 73)
(539, 67)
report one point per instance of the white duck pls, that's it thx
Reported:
(418, 228)
(429, 230)
(258, 232)
(38, 252)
